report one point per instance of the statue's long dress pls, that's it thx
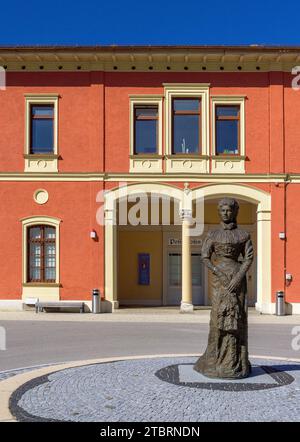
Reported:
(226, 355)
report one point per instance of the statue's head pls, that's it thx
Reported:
(228, 210)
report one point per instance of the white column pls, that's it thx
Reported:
(110, 263)
(187, 292)
(264, 304)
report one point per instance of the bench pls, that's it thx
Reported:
(40, 306)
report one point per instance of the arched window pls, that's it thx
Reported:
(41, 249)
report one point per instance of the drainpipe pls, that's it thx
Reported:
(287, 181)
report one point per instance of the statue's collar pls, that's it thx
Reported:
(228, 226)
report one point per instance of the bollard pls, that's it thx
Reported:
(280, 304)
(96, 301)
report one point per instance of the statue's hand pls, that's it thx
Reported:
(233, 285)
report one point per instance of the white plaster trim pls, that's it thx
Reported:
(28, 222)
(291, 308)
(11, 305)
(229, 100)
(263, 201)
(140, 163)
(110, 240)
(41, 196)
(186, 307)
(230, 165)
(38, 163)
(200, 90)
(247, 193)
(142, 177)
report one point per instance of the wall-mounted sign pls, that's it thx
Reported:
(178, 242)
(144, 268)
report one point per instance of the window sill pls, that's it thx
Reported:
(41, 163)
(46, 156)
(229, 156)
(41, 284)
(146, 155)
(195, 156)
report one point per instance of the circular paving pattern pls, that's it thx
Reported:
(160, 390)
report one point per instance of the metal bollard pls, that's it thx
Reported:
(96, 301)
(280, 304)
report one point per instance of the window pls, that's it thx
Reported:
(145, 134)
(227, 127)
(228, 134)
(186, 124)
(41, 254)
(41, 133)
(145, 129)
(187, 127)
(42, 128)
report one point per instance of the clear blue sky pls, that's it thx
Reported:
(149, 22)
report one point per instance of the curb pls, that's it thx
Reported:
(8, 386)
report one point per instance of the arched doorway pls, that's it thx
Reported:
(260, 204)
(262, 201)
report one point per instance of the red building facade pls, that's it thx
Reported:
(80, 125)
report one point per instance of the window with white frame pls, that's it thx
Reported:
(41, 129)
(228, 126)
(145, 129)
(228, 134)
(145, 133)
(41, 132)
(41, 263)
(40, 250)
(187, 127)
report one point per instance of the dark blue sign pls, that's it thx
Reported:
(144, 268)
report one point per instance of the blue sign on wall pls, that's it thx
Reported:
(144, 268)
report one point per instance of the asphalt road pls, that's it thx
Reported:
(40, 342)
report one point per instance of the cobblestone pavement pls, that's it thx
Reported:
(136, 390)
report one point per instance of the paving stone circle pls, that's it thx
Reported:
(160, 390)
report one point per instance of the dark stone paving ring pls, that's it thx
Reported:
(261, 378)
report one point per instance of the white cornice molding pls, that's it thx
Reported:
(142, 177)
(158, 59)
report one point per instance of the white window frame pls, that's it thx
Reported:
(146, 163)
(187, 163)
(41, 162)
(234, 163)
(41, 290)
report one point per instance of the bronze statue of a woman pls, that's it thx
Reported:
(226, 355)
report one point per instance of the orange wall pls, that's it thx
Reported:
(94, 112)
(293, 242)
(80, 122)
(255, 86)
(94, 136)
(81, 258)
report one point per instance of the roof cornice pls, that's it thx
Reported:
(155, 58)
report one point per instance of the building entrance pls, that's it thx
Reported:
(174, 263)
